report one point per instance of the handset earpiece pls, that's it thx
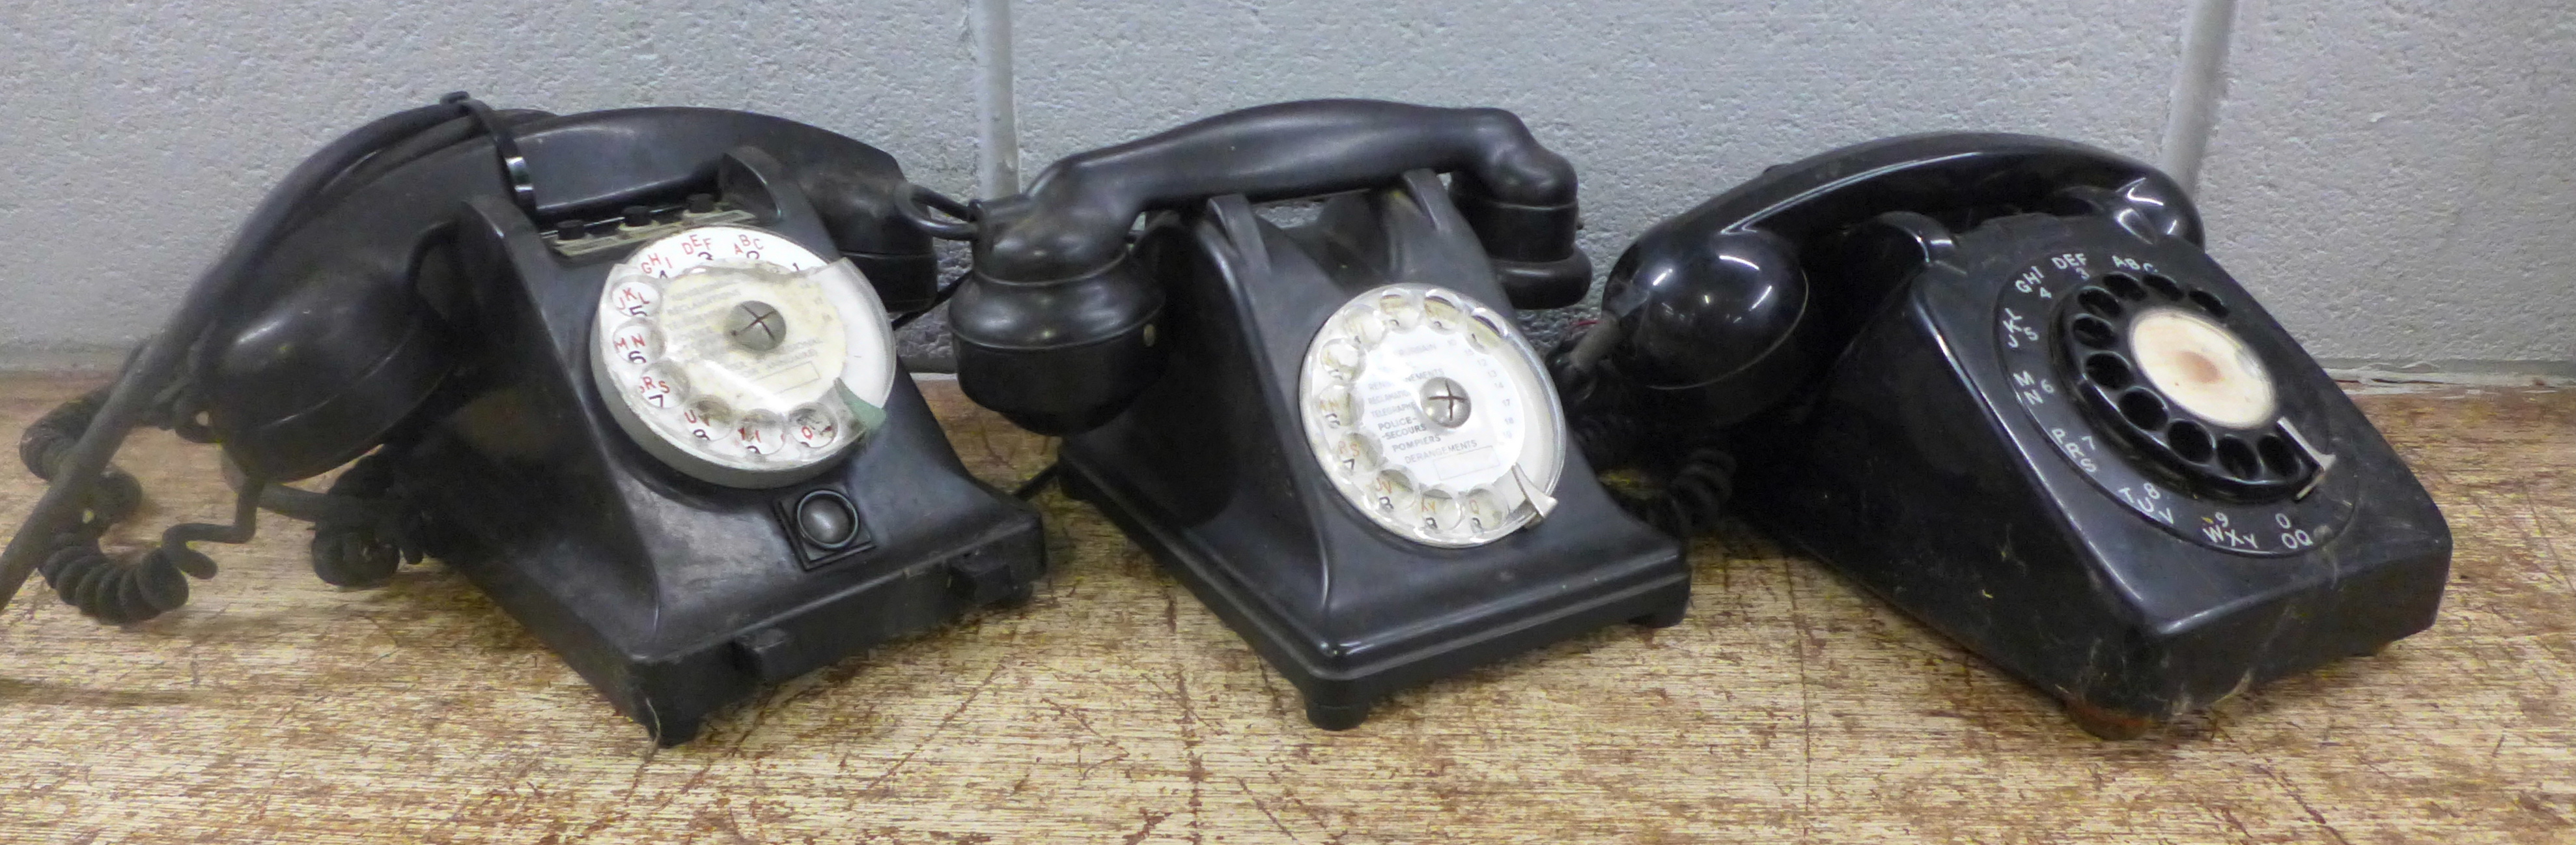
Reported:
(1721, 314)
(1054, 326)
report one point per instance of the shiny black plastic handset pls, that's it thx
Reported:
(1996, 379)
(1054, 327)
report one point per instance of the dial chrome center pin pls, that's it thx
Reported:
(756, 326)
(1444, 402)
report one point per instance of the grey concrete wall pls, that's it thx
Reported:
(135, 136)
(1660, 103)
(2392, 179)
(2398, 180)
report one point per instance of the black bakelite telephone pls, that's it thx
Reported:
(631, 371)
(1333, 432)
(1996, 380)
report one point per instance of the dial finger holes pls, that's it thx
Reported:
(2164, 287)
(761, 432)
(1368, 328)
(1333, 404)
(2100, 303)
(1401, 311)
(661, 386)
(1437, 511)
(2208, 303)
(2238, 458)
(2094, 332)
(2277, 455)
(636, 344)
(1355, 453)
(635, 298)
(1442, 315)
(2125, 285)
(1485, 334)
(1483, 512)
(812, 427)
(2109, 371)
(1391, 492)
(1342, 357)
(2142, 409)
(708, 419)
(2188, 440)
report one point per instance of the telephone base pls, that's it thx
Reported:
(2109, 724)
(1342, 669)
(1332, 718)
(1663, 618)
(675, 617)
(1210, 470)
(1917, 470)
(674, 594)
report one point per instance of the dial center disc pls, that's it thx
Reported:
(1444, 402)
(2202, 367)
(756, 325)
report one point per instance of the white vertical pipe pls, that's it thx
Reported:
(2200, 83)
(997, 136)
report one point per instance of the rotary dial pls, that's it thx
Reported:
(1430, 414)
(2155, 388)
(738, 357)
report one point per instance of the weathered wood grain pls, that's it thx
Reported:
(1789, 706)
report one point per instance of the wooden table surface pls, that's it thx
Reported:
(1113, 708)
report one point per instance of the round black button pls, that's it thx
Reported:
(826, 519)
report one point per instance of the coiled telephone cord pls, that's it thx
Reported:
(1691, 497)
(84, 575)
(363, 544)
(1691, 473)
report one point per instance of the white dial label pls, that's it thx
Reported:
(1432, 416)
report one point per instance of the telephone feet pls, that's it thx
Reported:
(1336, 717)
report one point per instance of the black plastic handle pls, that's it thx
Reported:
(1074, 218)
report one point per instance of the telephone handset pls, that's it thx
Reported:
(1996, 379)
(1333, 432)
(631, 371)
(1054, 328)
